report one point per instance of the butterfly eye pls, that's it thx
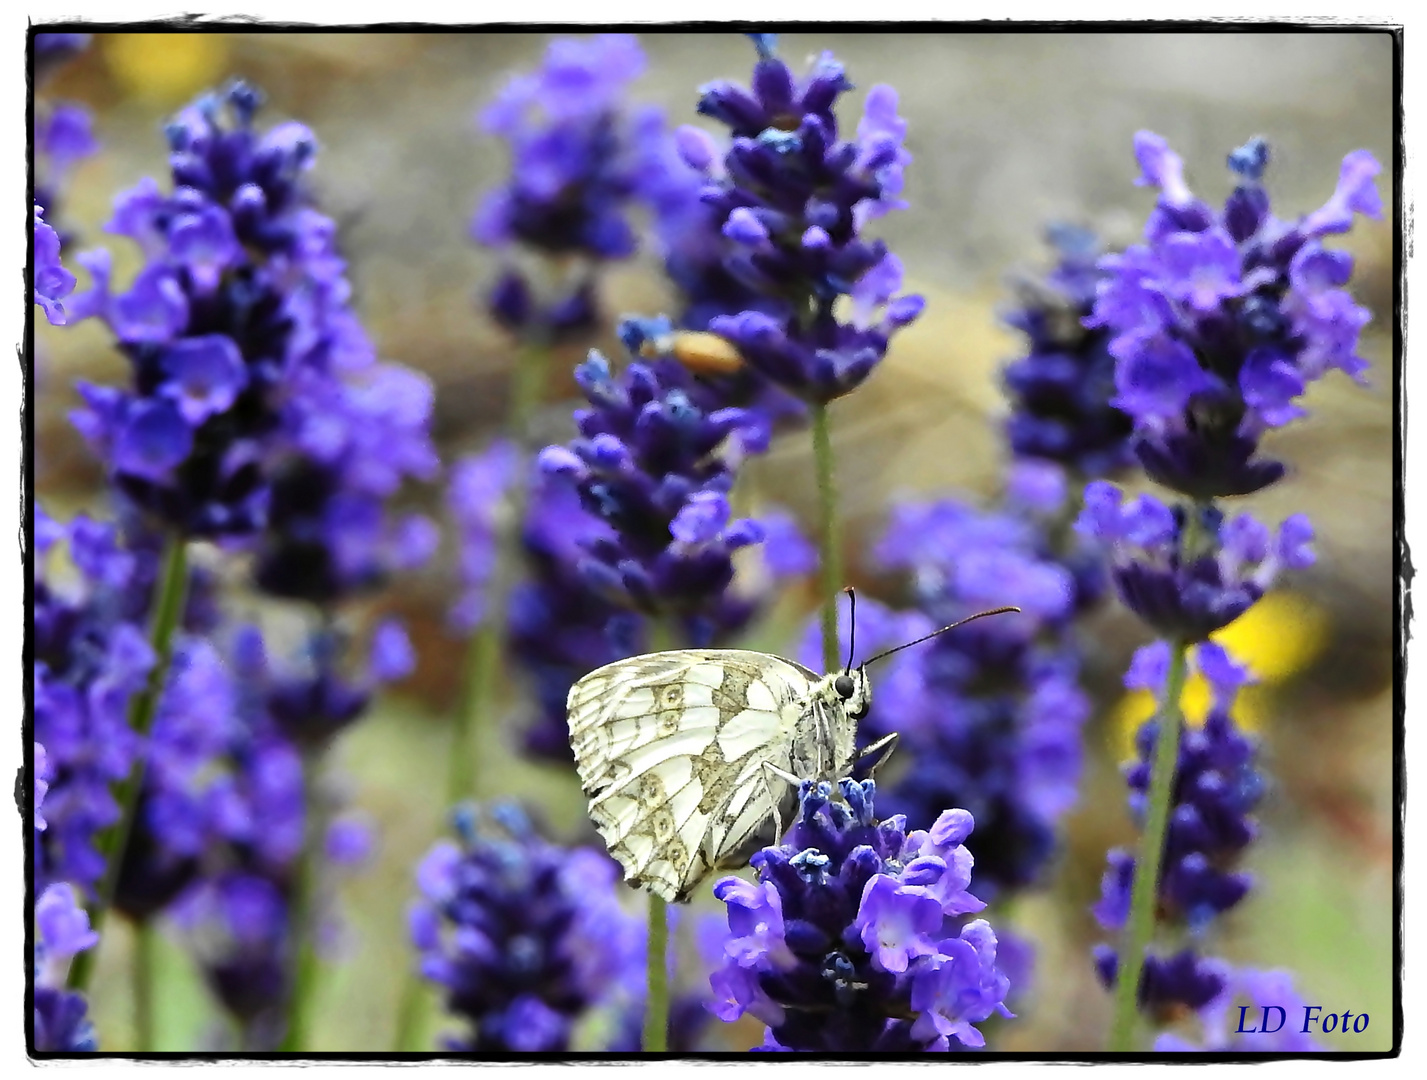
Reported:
(843, 685)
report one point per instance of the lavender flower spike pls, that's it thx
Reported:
(577, 163)
(781, 239)
(853, 938)
(656, 469)
(1220, 320)
(248, 363)
(1189, 571)
(524, 937)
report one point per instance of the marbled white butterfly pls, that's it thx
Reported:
(691, 759)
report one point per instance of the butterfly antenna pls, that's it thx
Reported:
(851, 627)
(944, 629)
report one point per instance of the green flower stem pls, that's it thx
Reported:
(303, 913)
(463, 779)
(412, 1010)
(1140, 926)
(145, 947)
(829, 552)
(656, 1008)
(167, 610)
(483, 655)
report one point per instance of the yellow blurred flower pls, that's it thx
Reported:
(165, 68)
(1276, 638)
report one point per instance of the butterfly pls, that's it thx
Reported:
(692, 759)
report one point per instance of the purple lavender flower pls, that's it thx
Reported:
(852, 938)
(330, 533)
(1245, 993)
(239, 925)
(989, 715)
(52, 281)
(781, 239)
(314, 695)
(1220, 321)
(1215, 788)
(525, 938)
(91, 655)
(559, 628)
(1061, 389)
(245, 811)
(61, 930)
(1189, 571)
(245, 353)
(62, 1023)
(62, 925)
(648, 464)
(43, 775)
(1168, 984)
(176, 822)
(576, 163)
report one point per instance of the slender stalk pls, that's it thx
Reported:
(829, 553)
(483, 654)
(167, 611)
(463, 779)
(411, 1015)
(1140, 926)
(145, 946)
(656, 1007)
(303, 915)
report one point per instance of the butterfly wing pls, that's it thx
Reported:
(670, 749)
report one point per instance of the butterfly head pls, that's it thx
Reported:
(854, 690)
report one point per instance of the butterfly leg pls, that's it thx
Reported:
(883, 748)
(784, 775)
